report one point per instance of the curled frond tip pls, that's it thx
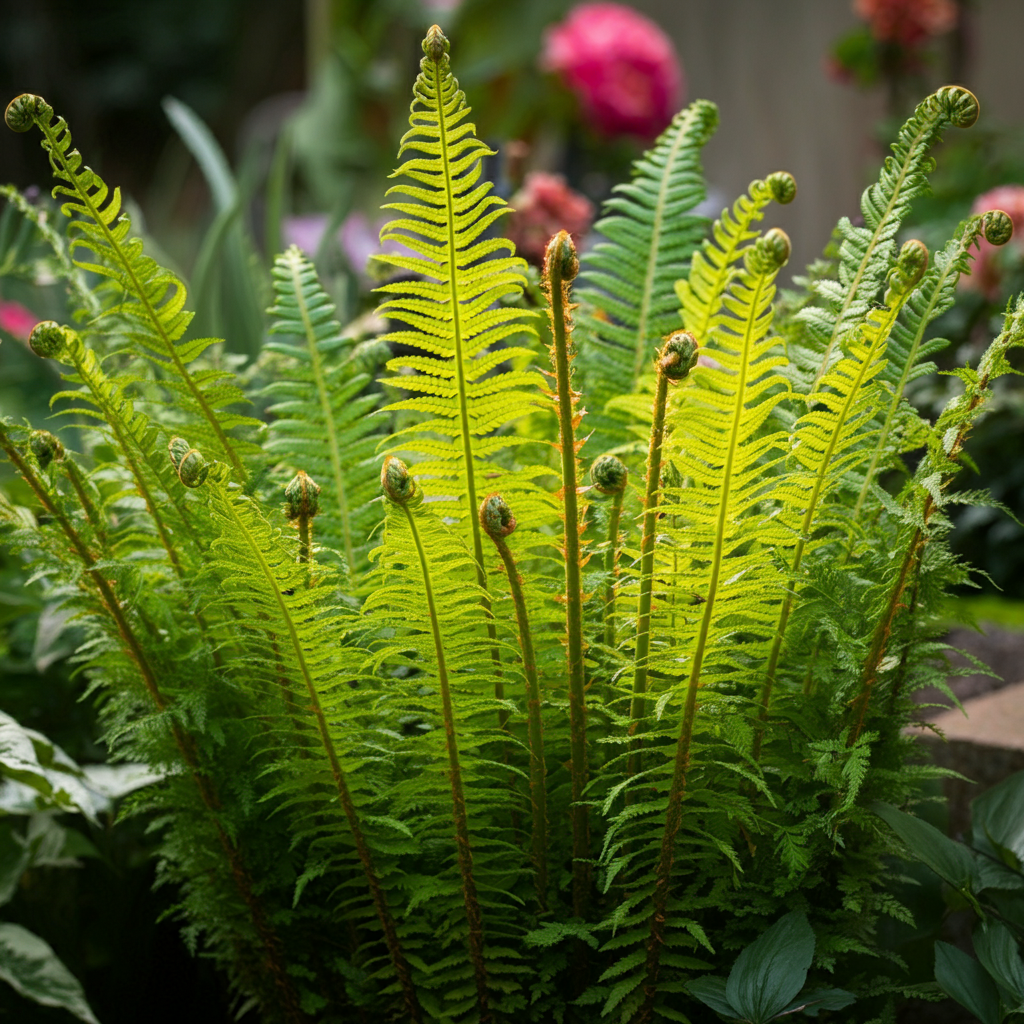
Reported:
(609, 475)
(496, 517)
(997, 226)
(301, 497)
(678, 356)
(396, 481)
(23, 110)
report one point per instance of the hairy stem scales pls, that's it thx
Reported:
(498, 522)
(560, 267)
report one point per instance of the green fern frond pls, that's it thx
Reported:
(152, 299)
(453, 309)
(866, 253)
(649, 234)
(827, 439)
(323, 424)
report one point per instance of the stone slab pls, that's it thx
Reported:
(994, 719)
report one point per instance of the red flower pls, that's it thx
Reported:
(544, 206)
(906, 22)
(621, 66)
(15, 319)
(987, 273)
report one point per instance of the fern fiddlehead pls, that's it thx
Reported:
(674, 362)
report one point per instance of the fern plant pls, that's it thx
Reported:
(485, 749)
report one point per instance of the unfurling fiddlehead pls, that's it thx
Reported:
(676, 359)
(609, 476)
(560, 267)
(301, 504)
(498, 522)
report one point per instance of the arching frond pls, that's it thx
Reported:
(866, 253)
(648, 234)
(152, 299)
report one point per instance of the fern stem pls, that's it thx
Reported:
(400, 488)
(560, 267)
(184, 742)
(333, 444)
(611, 568)
(398, 960)
(91, 513)
(498, 522)
(674, 363)
(610, 476)
(58, 156)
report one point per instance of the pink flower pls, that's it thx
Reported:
(15, 319)
(906, 22)
(987, 273)
(621, 66)
(542, 207)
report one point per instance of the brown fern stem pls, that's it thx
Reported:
(560, 267)
(498, 522)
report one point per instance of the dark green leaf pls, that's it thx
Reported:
(949, 860)
(711, 991)
(998, 817)
(962, 978)
(770, 972)
(997, 951)
(819, 999)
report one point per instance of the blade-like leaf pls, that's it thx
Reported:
(962, 978)
(949, 860)
(770, 972)
(711, 991)
(29, 965)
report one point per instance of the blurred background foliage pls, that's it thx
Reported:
(236, 127)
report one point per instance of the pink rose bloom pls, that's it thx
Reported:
(16, 320)
(544, 206)
(986, 274)
(621, 66)
(906, 22)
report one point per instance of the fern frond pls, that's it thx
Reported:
(648, 236)
(907, 348)
(152, 299)
(322, 422)
(453, 308)
(866, 253)
(826, 439)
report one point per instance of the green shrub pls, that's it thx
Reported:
(539, 754)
